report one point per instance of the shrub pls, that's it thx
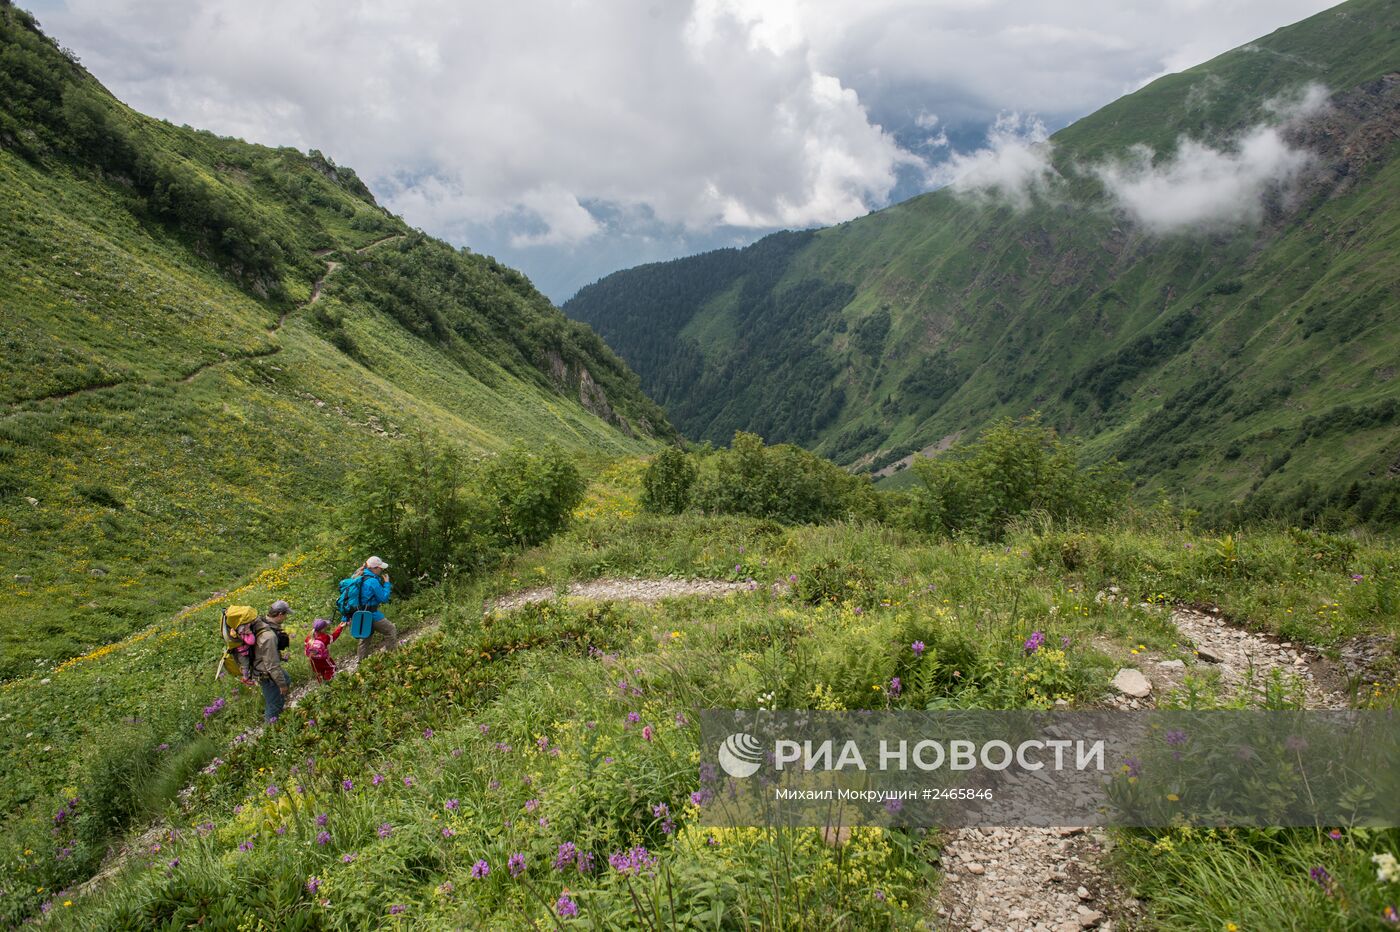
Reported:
(533, 494)
(667, 484)
(783, 482)
(1013, 469)
(421, 503)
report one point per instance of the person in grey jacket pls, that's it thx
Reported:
(267, 666)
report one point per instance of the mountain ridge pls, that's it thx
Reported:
(209, 334)
(966, 307)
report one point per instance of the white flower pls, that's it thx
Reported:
(1387, 868)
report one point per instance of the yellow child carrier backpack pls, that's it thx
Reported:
(232, 618)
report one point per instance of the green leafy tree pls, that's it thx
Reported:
(783, 482)
(421, 504)
(534, 494)
(668, 482)
(1013, 469)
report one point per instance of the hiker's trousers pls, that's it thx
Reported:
(385, 629)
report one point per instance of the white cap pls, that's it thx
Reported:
(375, 563)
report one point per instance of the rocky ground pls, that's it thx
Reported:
(1053, 879)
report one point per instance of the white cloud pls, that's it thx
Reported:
(1012, 168)
(1201, 187)
(520, 114)
(538, 128)
(1299, 103)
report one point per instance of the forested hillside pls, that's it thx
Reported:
(1246, 358)
(201, 337)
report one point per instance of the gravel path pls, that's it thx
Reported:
(1053, 879)
(628, 590)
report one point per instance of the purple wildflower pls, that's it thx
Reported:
(633, 718)
(312, 885)
(896, 687)
(408, 782)
(347, 785)
(1176, 738)
(348, 858)
(631, 862)
(271, 790)
(174, 863)
(565, 907)
(377, 779)
(396, 909)
(531, 805)
(918, 648)
(450, 805)
(1132, 766)
(322, 818)
(516, 864)
(1322, 879)
(246, 846)
(385, 830)
(427, 733)
(1034, 642)
(481, 869)
(448, 831)
(565, 855)
(323, 837)
(648, 733)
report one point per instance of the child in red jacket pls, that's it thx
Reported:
(318, 648)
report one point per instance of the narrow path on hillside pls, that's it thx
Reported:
(331, 266)
(636, 589)
(17, 407)
(1054, 879)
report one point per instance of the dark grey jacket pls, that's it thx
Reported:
(267, 660)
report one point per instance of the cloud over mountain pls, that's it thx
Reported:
(1201, 187)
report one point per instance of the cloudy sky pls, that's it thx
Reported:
(575, 137)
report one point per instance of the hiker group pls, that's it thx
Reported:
(254, 644)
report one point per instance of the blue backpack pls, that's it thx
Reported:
(352, 605)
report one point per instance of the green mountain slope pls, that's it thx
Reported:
(202, 335)
(1254, 365)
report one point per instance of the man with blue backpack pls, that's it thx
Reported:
(361, 594)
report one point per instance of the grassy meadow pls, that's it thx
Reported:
(535, 768)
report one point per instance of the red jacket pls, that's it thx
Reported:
(318, 651)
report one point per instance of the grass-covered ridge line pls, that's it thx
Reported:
(174, 408)
(1251, 367)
